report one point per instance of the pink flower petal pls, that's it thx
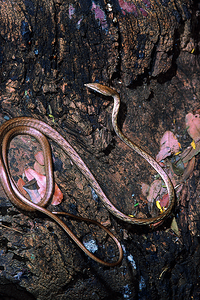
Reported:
(154, 190)
(193, 125)
(58, 196)
(38, 168)
(164, 202)
(168, 145)
(41, 181)
(163, 154)
(40, 157)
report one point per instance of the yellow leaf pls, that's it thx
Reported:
(159, 206)
(51, 116)
(177, 153)
(193, 145)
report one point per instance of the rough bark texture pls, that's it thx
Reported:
(147, 50)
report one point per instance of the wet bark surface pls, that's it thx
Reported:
(146, 50)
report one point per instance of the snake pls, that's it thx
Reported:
(107, 91)
(41, 131)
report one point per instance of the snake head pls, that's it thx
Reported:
(102, 89)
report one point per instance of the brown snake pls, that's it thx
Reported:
(40, 130)
(104, 90)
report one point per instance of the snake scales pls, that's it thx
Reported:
(40, 130)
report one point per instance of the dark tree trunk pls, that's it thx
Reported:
(146, 50)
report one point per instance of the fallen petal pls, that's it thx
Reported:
(190, 152)
(188, 170)
(164, 201)
(145, 188)
(154, 190)
(174, 227)
(32, 189)
(39, 168)
(58, 196)
(41, 180)
(193, 126)
(168, 145)
(163, 154)
(40, 158)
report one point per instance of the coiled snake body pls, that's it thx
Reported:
(40, 130)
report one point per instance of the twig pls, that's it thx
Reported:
(1, 225)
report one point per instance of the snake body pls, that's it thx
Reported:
(40, 130)
(107, 91)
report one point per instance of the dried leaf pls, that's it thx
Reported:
(177, 165)
(164, 201)
(32, 189)
(154, 190)
(58, 196)
(193, 126)
(20, 184)
(188, 170)
(41, 181)
(168, 145)
(190, 152)
(174, 227)
(145, 189)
